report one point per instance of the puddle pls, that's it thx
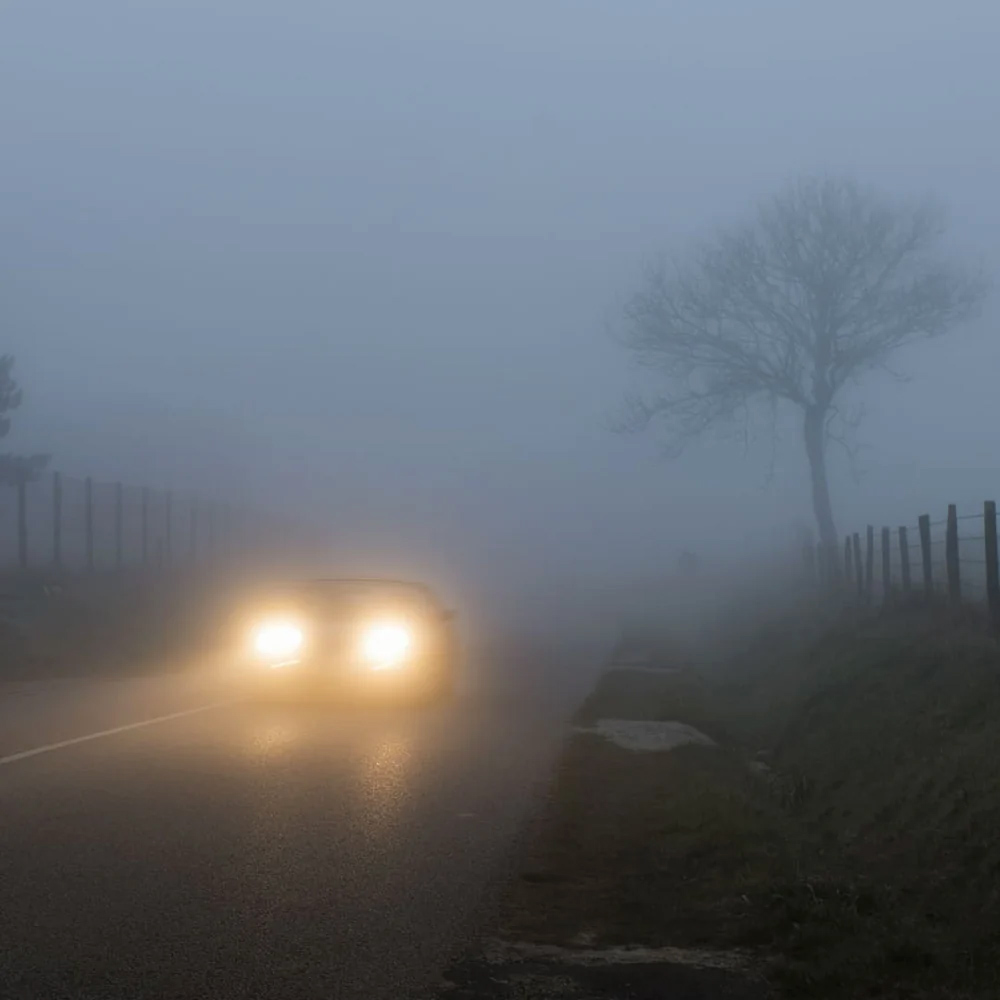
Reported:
(503, 951)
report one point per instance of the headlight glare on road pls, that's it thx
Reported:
(278, 640)
(386, 644)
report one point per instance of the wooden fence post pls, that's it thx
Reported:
(144, 515)
(119, 525)
(856, 545)
(168, 530)
(848, 562)
(951, 556)
(886, 566)
(225, 529)
(210, 542)
(925, 554)
(88, 517)
(57, 494)
(869, 561)
(992, 570)
(194, 531)
(22, 523)
(904, 560)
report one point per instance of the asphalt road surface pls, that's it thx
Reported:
(165, 838)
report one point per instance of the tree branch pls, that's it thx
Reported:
(828, 282)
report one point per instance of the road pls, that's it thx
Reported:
(236, 849)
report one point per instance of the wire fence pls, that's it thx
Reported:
(955, 557)
(69, 524)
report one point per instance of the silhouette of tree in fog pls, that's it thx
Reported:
(827, 282)
(14, 469)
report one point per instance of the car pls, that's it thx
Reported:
(369, 637)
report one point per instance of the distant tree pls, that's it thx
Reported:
(14, 469)
(825, 284)
(10, 393)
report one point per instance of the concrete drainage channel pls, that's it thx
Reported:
(649, 737)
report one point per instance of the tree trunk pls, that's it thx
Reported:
(815, 435)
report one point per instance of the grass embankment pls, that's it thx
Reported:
(864, 862)
(71, 626)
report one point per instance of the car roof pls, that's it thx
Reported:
(370, 581)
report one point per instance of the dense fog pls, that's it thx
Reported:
(362, 263)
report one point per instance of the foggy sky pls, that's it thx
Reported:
(356, 258)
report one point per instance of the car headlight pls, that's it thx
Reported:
(386, 644)
(278, 640)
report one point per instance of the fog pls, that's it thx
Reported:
(356, 261)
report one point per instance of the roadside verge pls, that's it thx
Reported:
(825, 828)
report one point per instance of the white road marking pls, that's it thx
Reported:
(49, 747)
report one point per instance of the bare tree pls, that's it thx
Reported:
(10, 392)
(15, 470)
(825, 284)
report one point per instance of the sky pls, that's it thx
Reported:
(357, 259)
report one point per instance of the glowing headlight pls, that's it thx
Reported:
(278, 640)
(386, 644)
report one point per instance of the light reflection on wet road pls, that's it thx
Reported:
(256, 850)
